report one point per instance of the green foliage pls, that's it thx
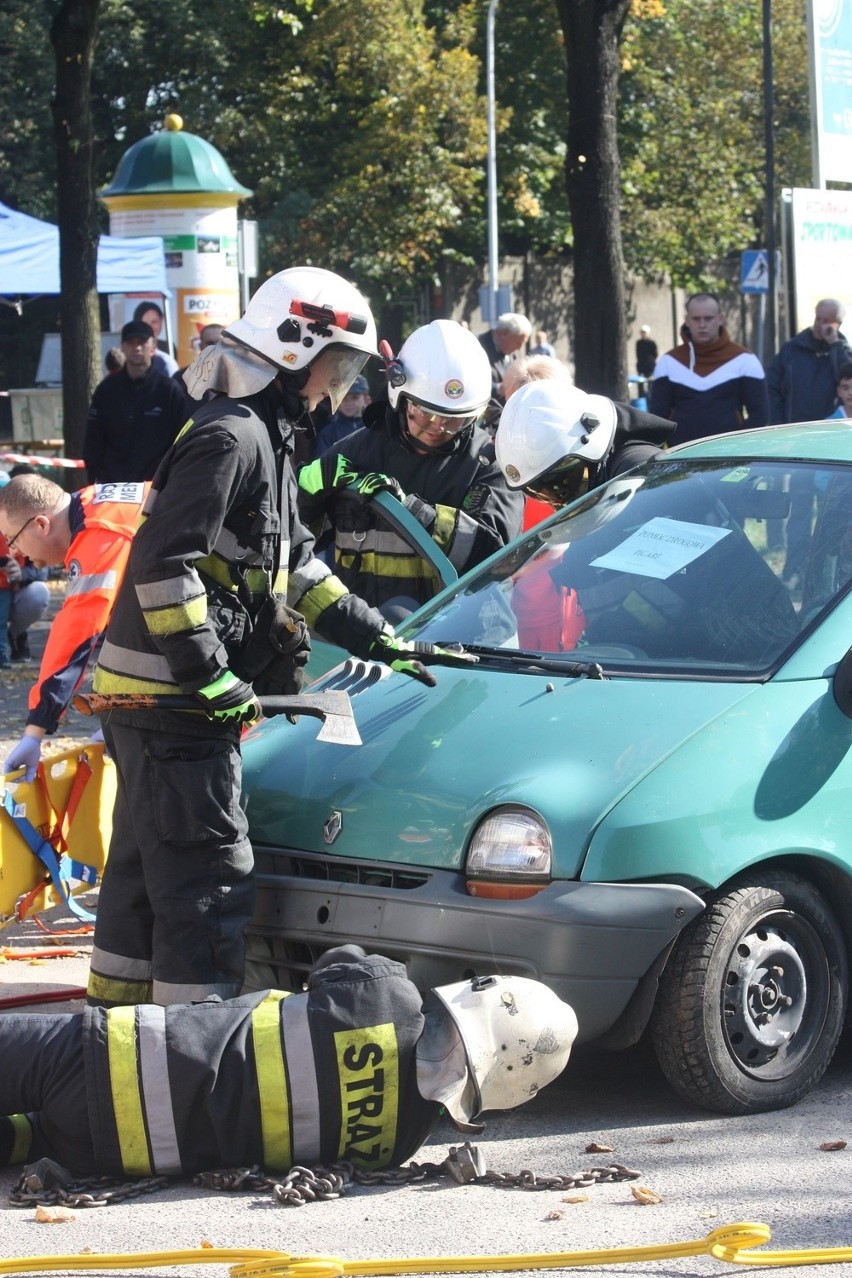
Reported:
(692, 131)
(27, 164)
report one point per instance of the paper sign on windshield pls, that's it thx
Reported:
(661, 547)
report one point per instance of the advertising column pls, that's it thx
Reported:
(176, 185)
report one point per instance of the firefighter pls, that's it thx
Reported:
(221, 585)
(555, 442)
(356, 1068)
(90, 532)
(424, 444)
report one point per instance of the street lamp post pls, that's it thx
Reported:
(492, 168)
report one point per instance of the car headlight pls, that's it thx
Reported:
(510, 855)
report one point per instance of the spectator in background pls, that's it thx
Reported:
(803, 376)
(152, 315)
(803, 379)
(708, 384)
(542, 345)
(534, 368)
(114, 360)
(501, 345)
(134, 415)
(25, 596)
(844, 392)
(349, 417)
(646, 353)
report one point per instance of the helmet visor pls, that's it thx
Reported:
(559, 485)
(336, 368)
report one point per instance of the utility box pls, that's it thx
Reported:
(36, 414)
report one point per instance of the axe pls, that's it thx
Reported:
(333, 708)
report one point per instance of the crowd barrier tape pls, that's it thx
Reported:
(34, 459)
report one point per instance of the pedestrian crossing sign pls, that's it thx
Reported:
(754, 271)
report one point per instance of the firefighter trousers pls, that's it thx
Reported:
(178, 885)
(42, 1077)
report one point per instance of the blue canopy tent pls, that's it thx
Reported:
(29, 259)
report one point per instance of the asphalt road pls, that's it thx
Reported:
(707, 1170)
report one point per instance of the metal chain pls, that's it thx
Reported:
(465, 1164)
(47, 1183)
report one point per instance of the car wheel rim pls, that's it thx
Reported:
(775, 995)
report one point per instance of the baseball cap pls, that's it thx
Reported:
(136, 328)
(359, 387)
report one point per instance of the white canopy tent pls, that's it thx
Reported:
(29, 259)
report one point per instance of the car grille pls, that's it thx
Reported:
(337, 870)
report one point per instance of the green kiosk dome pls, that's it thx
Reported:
(177, 185)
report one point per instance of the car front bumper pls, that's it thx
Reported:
(590, 942)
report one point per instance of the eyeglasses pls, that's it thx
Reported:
(427, 417)
(11, 540)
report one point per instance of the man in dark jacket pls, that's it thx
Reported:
(803, 375)
(219, 586)
(424, 443)
(134, 416)
(802, 380)
(708, 384)
(356, 1068)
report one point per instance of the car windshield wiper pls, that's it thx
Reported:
(520, 657)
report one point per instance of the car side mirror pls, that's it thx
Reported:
(842, 684)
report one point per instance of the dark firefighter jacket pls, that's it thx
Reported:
(221, 532)
(639, 436)
(267, 1078)
(458, 494)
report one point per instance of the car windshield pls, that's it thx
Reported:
(675, 568)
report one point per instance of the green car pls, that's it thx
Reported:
(632, 781)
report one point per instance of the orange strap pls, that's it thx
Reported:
(75, 794)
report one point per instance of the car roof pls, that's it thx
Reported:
(817, 441)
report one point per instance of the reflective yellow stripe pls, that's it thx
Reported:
(172, 621)
(23, 1138)
(272, 1082)
(321, 596)
(105, 681)
(218, 570)
(368, 1069)
(279, 585)
(404, 567)
(126, 1094)
(445, 525)
(106, 989)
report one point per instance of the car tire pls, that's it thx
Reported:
(752, 1000)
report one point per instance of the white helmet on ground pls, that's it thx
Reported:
(547, 432)
(517, 1038)
(442, 367)
(293, 317)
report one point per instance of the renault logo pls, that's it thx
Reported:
(332, 827)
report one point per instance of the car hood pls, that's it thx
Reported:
(434, 761)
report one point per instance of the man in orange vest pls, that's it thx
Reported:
(90, 532)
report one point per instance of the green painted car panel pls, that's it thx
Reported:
(435, 761)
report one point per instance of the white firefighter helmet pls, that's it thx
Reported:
(442, 367)
(548, 428)
(296, 316)
(517, 1036)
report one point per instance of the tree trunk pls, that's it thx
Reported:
(73, 35)
(592, 30)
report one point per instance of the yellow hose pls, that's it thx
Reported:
(730, 1243)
